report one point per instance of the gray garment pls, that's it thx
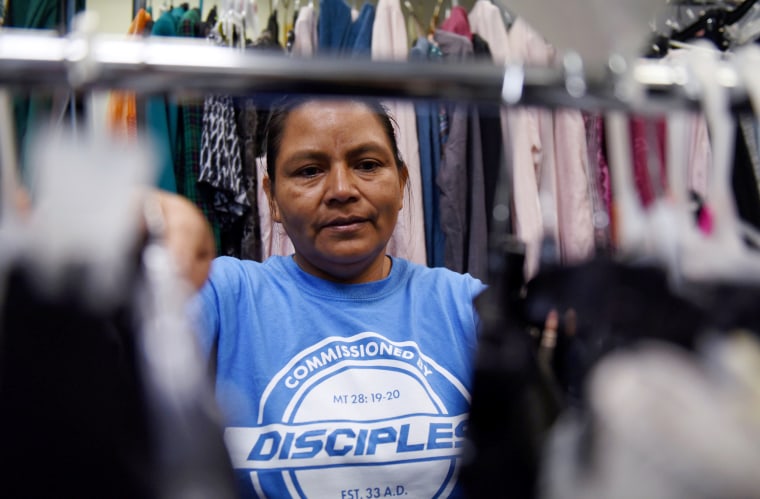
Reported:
(460, 177)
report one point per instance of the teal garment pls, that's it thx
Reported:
(161, 122)
(169, 22)
(31, 109)
(162, 114)
(37, 14)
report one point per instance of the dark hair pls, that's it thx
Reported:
(280, 113)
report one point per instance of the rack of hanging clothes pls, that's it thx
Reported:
(523, 382)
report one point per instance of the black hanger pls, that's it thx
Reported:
(212, 16)
(713, 23)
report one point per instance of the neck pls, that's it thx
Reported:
(357, 273)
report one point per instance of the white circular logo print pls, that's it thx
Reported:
(356, 418)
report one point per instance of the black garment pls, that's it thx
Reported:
(212, 16)
(480, 47)
(268, 39)
(73, 421)
(247, 118)
(616, 305)
(87, 410)
(491, 138)
(744, 177)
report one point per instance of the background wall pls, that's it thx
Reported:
(114, 15)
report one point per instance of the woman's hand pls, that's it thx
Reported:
(188, 237)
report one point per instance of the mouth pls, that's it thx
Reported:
(345, 223)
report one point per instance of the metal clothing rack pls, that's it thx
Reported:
(89, 62)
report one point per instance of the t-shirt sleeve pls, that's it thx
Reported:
(204, 313)
(207, 304)
(476, 288)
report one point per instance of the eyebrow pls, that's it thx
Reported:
(370, 148)
(360, 150)
(301, 156)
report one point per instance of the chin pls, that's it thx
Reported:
(348, 256)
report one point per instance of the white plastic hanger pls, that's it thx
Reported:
(232, 20)
(722, 255)
(630, 218)
(666, 231)
(9, 182)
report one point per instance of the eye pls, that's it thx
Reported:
(308, 171)
(368, 165)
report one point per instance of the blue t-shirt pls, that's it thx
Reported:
(336, 390)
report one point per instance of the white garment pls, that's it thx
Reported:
(305, 44)
(274, 239)
(389, 42)
(485, 20)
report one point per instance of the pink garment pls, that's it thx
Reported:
(527, 148)
(600, 188)
(705, 220)
(486, 20)
(574, 204)
(648, 146)
(305, 30)
(389, 42)
(457, 22)
(603, 167)
(274, 239)
(550, 166)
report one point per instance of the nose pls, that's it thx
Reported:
(341, 186)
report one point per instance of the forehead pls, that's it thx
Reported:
(328, 117)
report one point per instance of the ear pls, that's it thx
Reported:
(273, 208)
(403, 177)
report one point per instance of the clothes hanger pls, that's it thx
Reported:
(747, 29)
(713, 23)
(722, 255)
(666, 232)
(231, 20)
(434, 19)
(630, 218)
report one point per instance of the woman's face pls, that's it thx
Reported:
(337, 190)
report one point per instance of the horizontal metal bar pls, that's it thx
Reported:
(182, 66)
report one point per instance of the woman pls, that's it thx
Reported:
(341, 371)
